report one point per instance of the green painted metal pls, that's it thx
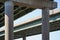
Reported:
(54, 18)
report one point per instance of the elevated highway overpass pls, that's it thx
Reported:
(27, 28)
(33, 27)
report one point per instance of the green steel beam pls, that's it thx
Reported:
(34, 27)
(52, 19)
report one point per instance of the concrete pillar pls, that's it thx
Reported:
(45, 24)
(9, 20)
(24, 37)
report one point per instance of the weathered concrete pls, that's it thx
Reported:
(45, 24)
(9, 20)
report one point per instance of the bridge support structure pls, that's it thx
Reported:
(45, 24)
(9, 35)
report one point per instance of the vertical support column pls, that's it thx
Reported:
(24, 37)
(9, 20)
(45, 24)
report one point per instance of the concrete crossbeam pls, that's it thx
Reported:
(36, 3)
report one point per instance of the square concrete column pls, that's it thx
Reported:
(45, 24)
(9, 20)
(24, 37)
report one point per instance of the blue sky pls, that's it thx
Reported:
(53, 35)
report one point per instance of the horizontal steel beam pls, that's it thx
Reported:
(37, 30)
(35, 26)
(52, 19)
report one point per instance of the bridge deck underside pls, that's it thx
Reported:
(18, 12)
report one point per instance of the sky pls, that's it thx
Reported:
(53, 35)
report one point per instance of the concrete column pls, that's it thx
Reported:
(24, 37)
(9, 20)
(45, 24)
